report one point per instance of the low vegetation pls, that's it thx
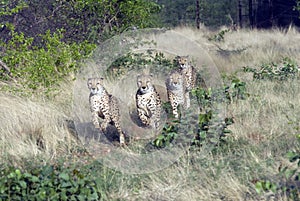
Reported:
(253, 152)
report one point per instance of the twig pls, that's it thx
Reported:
(5, 67)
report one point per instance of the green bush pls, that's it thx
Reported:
(157, 62)
(52, 182)
(43, 67)
(286, 69)
(169, 133)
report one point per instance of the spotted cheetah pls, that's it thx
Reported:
(188, 71)
(148, 101)
(177, 93)
(105, 106)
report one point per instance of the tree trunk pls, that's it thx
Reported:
(198, 14)
(271, 12)
(5, 67)
(251, 18)
(240, 14)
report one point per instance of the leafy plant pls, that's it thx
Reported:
(169, 133)
(219, 37)
(82, 20)
(48, 182)
(236, 90)
(157, 62)
(211, 131)
(289, 178)
(41, 68)
(286, 69)
(264, 186)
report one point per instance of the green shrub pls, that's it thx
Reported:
(157, 62)
(219, 37)
(43, 67)
(169, 133)
(52, 182)
(286, 69)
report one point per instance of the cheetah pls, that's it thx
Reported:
(188, 71)
(148, 101)
(105, 106)
(177, 93)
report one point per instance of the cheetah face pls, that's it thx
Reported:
(175, 80)
(95, 85)
(144, 83)
(183, 61)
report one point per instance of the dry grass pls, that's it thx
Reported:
(263, 131)
(247, 47)
(31, 130)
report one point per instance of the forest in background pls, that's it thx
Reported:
(96, 21)
(244, 13)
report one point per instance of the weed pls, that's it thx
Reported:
(219, 37)
(286, 69)
(289, 178)
(169, 133)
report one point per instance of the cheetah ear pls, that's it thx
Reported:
(101, 78)
(151, 75)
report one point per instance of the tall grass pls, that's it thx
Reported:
(264, 129)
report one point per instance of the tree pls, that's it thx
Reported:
(251, 17)
(240, 14)
(91, 20)
(270, 13)
(198, 14)
(212, 13)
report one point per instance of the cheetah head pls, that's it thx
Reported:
(175, 80)
(183, 61)
(95, 85)
(144, 83)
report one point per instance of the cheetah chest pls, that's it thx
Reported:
(99, 103)
(147, 100)
(177, 95)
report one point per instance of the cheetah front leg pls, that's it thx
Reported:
(175, 109)
(105, 123)
(121, 134)
(155, 116)
(106, 119)
(115, 114)
(144, 117)
(187, 100)
(95, 119)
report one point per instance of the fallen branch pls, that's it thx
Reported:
(5, 67)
